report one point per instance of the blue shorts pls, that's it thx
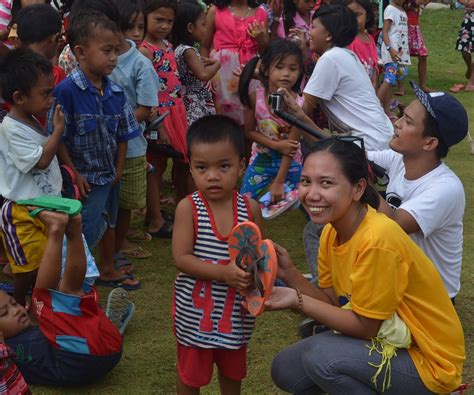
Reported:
(393, 72)
(99, 211)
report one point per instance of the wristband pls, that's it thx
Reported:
(388, 47)
(299, 308)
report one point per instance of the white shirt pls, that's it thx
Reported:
(21, 147)
(348, 98)
(397, 34)
(436, 201)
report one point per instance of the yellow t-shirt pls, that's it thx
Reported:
(381, 270)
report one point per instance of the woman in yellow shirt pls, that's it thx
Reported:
(398, 301)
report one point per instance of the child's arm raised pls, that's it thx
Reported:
(52, 145)
(203, 69)
(186, 262)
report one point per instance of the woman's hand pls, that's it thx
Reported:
(286, 267)
(291, 105)
(277, 191)
(282, 298)
(298, 36)
(259, 32)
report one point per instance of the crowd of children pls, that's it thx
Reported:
(83, 84)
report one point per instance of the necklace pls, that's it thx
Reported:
(235, 14)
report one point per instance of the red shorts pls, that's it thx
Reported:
(195, 364)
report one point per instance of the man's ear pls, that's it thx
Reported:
(18, 97)
(430, 143)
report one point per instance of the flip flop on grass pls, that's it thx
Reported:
(119, 309)
(255, 256)
(138, 235)
(70, 207)
(136, 252)
(456, 88)
(119, 283)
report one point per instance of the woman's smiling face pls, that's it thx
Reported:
(324, 190)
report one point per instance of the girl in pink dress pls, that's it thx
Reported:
(160, 16)
(237, 30)
(364, 45)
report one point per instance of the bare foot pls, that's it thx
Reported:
(469, 88)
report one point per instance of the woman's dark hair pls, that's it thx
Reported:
(225, 3)
(366, 5)
(106, 7)
(275, 52)
(188, 11)
(353, 161)
(431, 130)
(216, 129)
(340, 22)
(152, 5)
(20, 71)
(128, 10)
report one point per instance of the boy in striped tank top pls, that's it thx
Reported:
(210, 324)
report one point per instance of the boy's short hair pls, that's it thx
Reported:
(215, 129)
(20, 71)
(83, 27)
(37, 22)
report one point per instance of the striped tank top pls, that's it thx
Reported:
(208, 314)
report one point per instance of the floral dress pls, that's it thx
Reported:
(233, 46)
(170, 94)
(196, 96)
(465, 41)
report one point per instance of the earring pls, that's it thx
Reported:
(328, 38)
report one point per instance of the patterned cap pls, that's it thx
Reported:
(449, 113)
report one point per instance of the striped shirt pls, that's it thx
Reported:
(208, 314)
(5, 13)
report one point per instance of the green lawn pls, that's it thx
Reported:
(148, 364)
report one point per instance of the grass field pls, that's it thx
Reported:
(148, 364)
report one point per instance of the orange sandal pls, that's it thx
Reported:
(255, 256)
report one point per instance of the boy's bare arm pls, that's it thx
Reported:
(121, 154)
(186, 262)
(51, 147)
(65, 159)
(257, 216)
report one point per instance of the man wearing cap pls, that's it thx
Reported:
(424, 196)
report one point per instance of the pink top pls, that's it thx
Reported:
(299, 23)
(231, 32)
(367, 54)
(270, 125)
(5, 13)
(165, 66)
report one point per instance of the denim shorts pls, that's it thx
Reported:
(393, 72)
(99, 211)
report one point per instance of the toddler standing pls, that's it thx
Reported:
(210, 325)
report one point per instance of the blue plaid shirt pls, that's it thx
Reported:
(95, 124)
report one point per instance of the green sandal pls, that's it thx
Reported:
(70, 207)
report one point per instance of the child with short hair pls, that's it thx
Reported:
(75, 342)
(135, 74)
(210, 325)
(99, 123)
(395, 51)
(28, 161)
(39, 28)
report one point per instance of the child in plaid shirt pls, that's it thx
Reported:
(99, 123)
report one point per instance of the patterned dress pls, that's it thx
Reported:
(170, 94)
(208, 314)
(196, 96)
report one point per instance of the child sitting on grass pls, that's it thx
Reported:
(209, 323)
(28, 164)
(75, 342)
